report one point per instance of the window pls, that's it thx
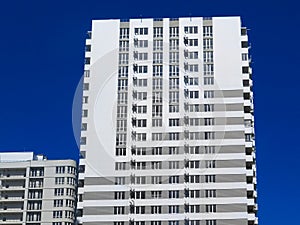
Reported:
(141, 31)
(174, 44)
(194, 135)
(59, 180)
(141, 95)
(208, 94)
(142, 109)
(194, 121)
(141, 43)
(124, 33)
(141, 123)
(140, 180)
(193, 55)
(245, 56)
(210, 193)
(210, 208)
(194, 94)
(194, 209)
(60, 169)
(58, 191)
(157, 32)
(142, 69)
(120, 195)
(85, 99)
(157, 45)
(173, 136)
(210, 222)
(122, 98)
(140, 194)
(173, 108)
(191, 30)
(157, 136)
(209, 135)
(207, 31)
(123, 71)
(157, 97)
(119, 180)
(174, 31)
(121, 139)
(157, 83)
(210, 178)
(141, 151)
(174, 96)
(157, 151)
(174, 57)
(57, 214)
(140, 209)
(156, 122)
(119, 210)
(208, 80)
(122, 84)
(173, 179)
(208, 69)
(244, 44)
(87, 60)
(173, 83)
(86, 73)
(194, 108)
(173, 122)
(157, 57)
(194, 179)
(121, 111)
(208, 108)
(207, 44)
(141, 56)
(173, 194)
(209, 121)
(123, 46)
(174, 165)
(156, 194)
(141, 82)
(208, 57)
(193, 68)
(192, 42)
(194, 194)
(58, 203)
(121, 125)
(123, 58)
(155, 209)
(157, 110)
(141, 137)
(120, 166)
(209, 149)
(173, 150)
(157, 71)
(156, 180)
(173, 70)
(210, 164)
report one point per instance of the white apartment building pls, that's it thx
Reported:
(167, 124)
(36, 191)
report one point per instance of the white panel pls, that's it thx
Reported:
(102, 98)
(227, 52)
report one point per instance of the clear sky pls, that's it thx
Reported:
(41, 59)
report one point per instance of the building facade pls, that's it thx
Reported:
(37, 191)
(167, 124)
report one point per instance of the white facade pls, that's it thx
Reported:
(167, 125)
(36, 191)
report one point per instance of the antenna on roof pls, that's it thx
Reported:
(141, 18)
(190, 14)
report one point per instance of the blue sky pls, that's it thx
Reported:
(41, 59)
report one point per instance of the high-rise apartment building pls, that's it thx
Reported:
(36, 191)
(167, 124)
